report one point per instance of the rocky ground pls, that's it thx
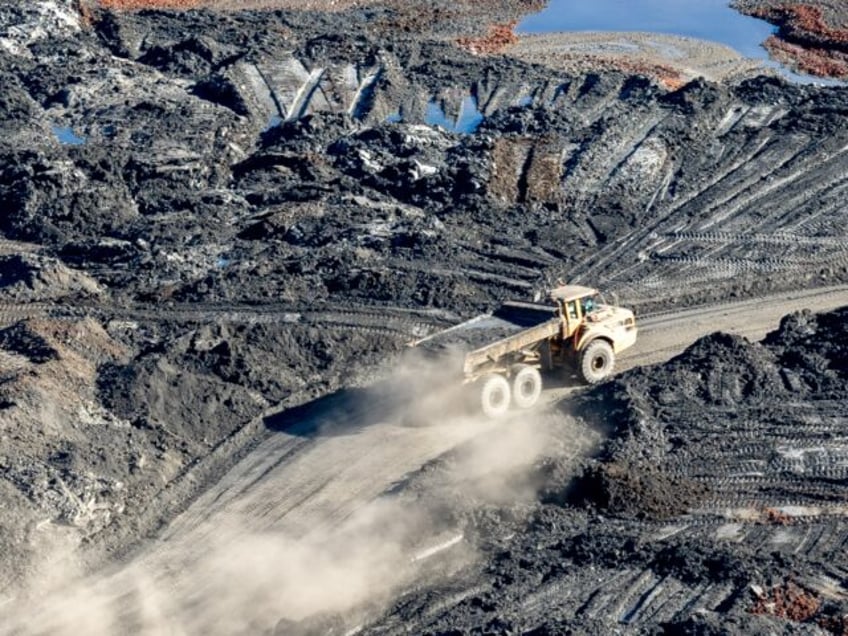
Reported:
(716, 505)
(206, 215)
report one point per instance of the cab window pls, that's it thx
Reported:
(571, 309)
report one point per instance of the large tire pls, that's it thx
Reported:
(494, 395)
(597, 361)
(526, 386)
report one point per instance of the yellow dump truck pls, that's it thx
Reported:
(509, 348)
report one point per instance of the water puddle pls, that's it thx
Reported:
(467, 122)
(273, 122)
(712, 20)
(66, 136)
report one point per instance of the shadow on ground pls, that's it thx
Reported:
(401, 400)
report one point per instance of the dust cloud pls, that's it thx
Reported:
(261, 569)
(237, 582)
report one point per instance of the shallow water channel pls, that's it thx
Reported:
(713, 20)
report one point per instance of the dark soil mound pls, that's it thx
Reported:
(636, 491)
(25, 341)
(649, 467)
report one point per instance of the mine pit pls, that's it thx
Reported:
(291, 305)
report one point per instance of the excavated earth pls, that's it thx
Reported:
(716, 505)
(208, 215)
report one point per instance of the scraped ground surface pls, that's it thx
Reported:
(214, 217)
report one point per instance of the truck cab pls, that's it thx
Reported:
(573, 302)
(587, 317)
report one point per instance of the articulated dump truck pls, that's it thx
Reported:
(507, 351)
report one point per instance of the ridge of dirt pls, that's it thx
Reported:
(670, 60)
(499, 39)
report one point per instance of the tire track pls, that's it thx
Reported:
(10, 248)
(390, 321)
(805, 165)
(617, 250)
(778, 238)
(804, 171)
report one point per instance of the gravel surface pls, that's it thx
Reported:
(673, 60)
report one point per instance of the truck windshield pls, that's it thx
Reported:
(591, 303)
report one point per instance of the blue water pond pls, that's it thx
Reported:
(66, 136)
(468, 120)
(712, 20)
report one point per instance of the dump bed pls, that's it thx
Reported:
(513, 326)
(516, 342)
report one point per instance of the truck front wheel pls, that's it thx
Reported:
(526, 386)
(596, 361)
(494, 395)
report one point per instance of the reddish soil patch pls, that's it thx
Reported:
(806, 40)
(815, 61)
(788, 601)
(86, 12)
(135, 5)
(775, 517)
(803, 19)
(499, 38)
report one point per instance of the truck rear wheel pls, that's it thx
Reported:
(596, 361)
(494, 395)
(526, 386)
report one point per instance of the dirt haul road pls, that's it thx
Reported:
(317, 518)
